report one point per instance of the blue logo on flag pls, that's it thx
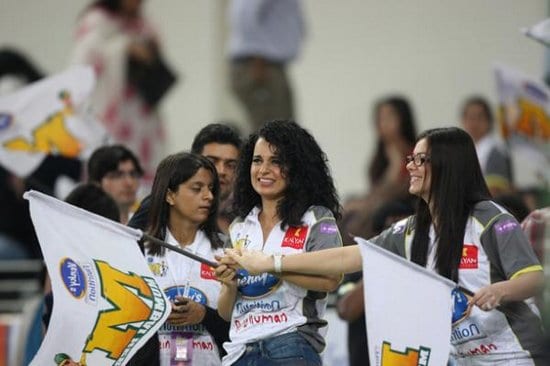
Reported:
(5, 120)
(73, 277)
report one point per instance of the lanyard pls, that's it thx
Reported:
(197, 243)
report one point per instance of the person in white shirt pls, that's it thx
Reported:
(183, 212)
(494, 159)
(286, 203)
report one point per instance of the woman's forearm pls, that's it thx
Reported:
(312, 282)
(226, 301)
(334, 261)
(522, 287)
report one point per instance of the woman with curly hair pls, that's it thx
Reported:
(461, 234)
(286, 204)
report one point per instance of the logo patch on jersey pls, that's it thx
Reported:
(252, 287)
(158, 268)
(505, 226)
(207, 272)
(194, 294)
(241, 242)
(469, 257)
(329, 228)
(461, 310)
(295, 237)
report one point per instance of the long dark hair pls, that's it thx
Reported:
(457, 184)
(171, 172)
(306, 169)
(407, 129)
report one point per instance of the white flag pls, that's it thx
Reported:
(106, 302)
(408, 310)
(539, 32)
(48, 117)
(524, 118)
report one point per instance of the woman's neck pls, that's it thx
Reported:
(269, 214)
(183, 231)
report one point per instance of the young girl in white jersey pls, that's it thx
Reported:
(286, 203)
(461, 234)
(184, 201)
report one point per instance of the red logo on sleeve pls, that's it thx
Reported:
(295, 237)
(469, 257)
(207, 272)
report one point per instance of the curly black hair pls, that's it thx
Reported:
(305, 167)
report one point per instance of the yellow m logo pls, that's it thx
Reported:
(411, 357)
(117, 327)
(51, 135)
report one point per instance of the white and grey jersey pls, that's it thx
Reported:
(267, 306)
(494, 249)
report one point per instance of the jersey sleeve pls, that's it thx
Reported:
(324, 233)
(393, 238)
(509, 248)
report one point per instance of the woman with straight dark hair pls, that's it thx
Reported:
(286, 203)
(461, 234)
(184, 200)
(386, 173)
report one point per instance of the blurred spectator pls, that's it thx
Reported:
(477, 120)
(265, 36)
(387, 174)
(120, 43)
(117, 171)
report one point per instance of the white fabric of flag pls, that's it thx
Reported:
(50, 116)
(408, 310)
(106, 301)
(539, 32)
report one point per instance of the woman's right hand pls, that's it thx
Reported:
(226, 274)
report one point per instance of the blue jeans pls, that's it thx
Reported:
(288, 349)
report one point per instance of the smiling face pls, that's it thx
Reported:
(420, 176)
(266, 171)
(193, 199)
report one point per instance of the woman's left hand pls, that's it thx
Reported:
(488, 297)
(188, 313)
(254, 261)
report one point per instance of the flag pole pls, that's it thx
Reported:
(179, 250)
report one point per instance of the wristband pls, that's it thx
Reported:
(277, 263)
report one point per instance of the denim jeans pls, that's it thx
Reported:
(287, 349)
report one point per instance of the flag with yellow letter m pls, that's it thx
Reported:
(49, 117)
(106, 302)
